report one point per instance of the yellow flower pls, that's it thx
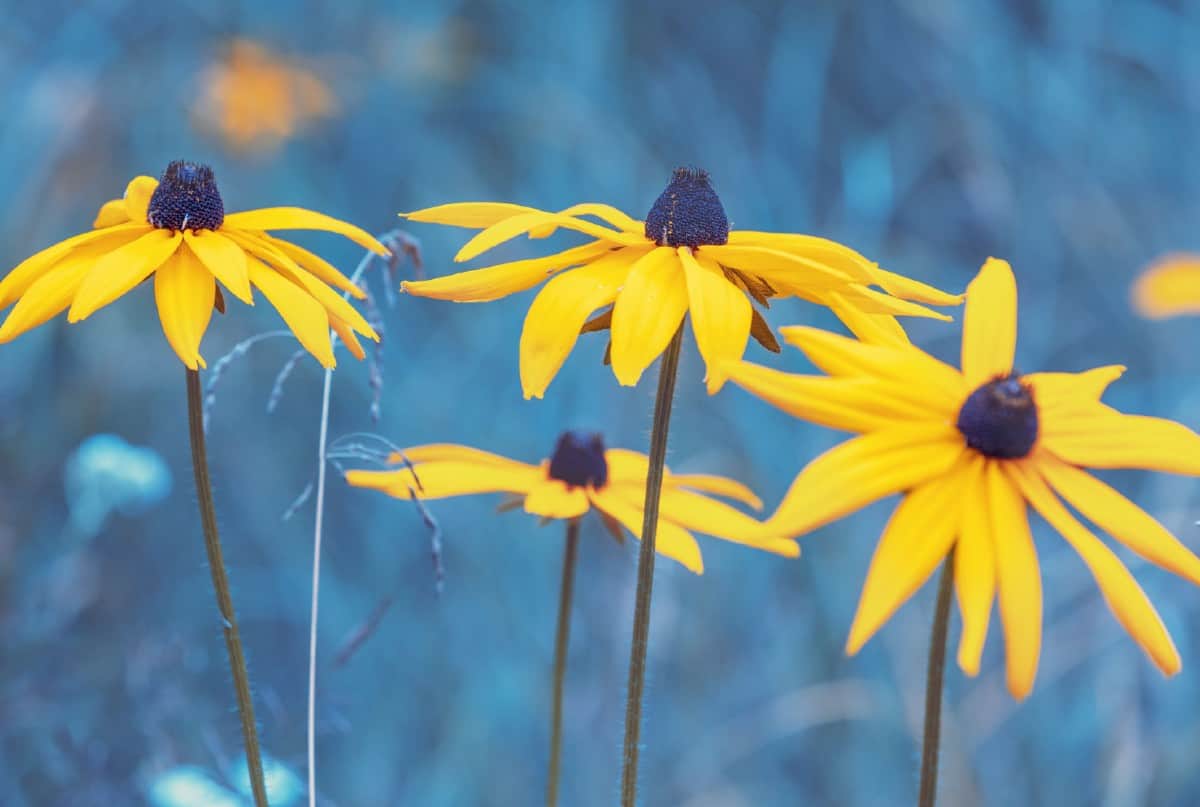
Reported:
(683, 258)
(582, 475)
(1169, 287)
(969, 449)
(176, 229)
(255, 99)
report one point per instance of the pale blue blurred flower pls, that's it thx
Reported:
(188, 786)
(107, 474)
(283, 786)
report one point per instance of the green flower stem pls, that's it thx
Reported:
(216, 565)
(645, 574)
(561, 638)
(933, 686)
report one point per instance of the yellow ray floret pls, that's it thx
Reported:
(175, 230)
(970, 450)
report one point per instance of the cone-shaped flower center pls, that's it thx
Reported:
(1000, 419)
(186, 199)
(688, 213)
(579, 460)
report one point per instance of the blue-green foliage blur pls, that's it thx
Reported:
(927, 135)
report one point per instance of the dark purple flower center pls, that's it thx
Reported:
(688, 213)
(578, 460)
(1000, 419)
(186, 199)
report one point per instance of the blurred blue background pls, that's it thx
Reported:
(928, 135)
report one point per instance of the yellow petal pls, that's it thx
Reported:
(871, 301)
(121, 270)
(914, 290)
(184, 291)
(137, 198)
(990, 324)
(511, 227)
(830, 253)
(859, 471)
(717, 485)
(975, 566)
(696, 512)
(475, 215)
(559, 311)
(671, 540)
(346, 334)
(306, 318)
(316, 265)
(913, 545)
(720, 315)
(625, 466)
(440, 480)
(224, 258)
(1120, 518)
(1064, 391)
(452, 452)
(1018, 579)
(647, 312)
(849, 404)
(783, 270)
(111, 213)
(1169, 288)
(494, 282)
(875, 329)
(551, 498)
(25, 273)
(607, 213)
(297, 218)
(1107, 438)
(1122, 593)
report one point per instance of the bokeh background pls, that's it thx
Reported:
(928, 134)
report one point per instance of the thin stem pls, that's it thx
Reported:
(216, 565)
(645, 579)
(562, 637)
(933, 686)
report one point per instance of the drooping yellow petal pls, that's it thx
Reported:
(629, 466)
(861, 470)
(717, 485)
(875, 329)
(1106, 438)
(111, 214)
(608, 213)
(440, 480)
(511, 227)
(720, 315)
(830, 253)
(1169, 288)
(914, 290)
(647, 312)
(1066, 391)
(849, 404)
(671, 540)
(317, 265)
(702, 514)
(25, 273)
(783, 270)
(495, 282)
(334, 303)
(871, 301)
(990, 324)
(224, 259)
(122, 269)
(915, 542)
(552, 498)
(349, 339)
(1124, 596)
(1018, 579)
(475, 215)
(137, 198)
(297, 218)
(184, 290)
(452, 452)
(975, 566)
(305, 317)
(1120, 518)
(559, 311)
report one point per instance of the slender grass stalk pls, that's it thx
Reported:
(645, 575)
(933, 686)
(561, 638)
(216, 565)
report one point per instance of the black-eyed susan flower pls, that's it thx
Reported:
(970, 448)
(176, 230)
(1170, 287)
(581, 476)
(643, 277)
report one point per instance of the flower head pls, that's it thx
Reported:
(1169, 288)
(579, 476)
(970, 449)
(644, 277)
(176, 229)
